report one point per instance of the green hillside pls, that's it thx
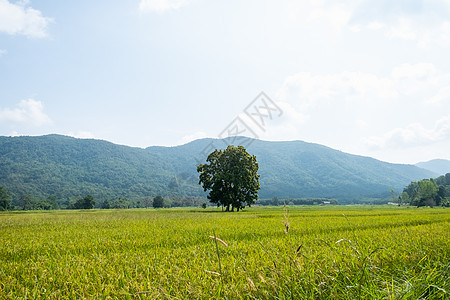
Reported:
(298, 169)
(69, 167)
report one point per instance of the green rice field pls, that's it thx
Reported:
(329, 252)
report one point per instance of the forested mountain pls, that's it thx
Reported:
(438, 166)
(68, 167)
(298, 169)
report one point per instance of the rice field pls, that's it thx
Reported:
(330, 252)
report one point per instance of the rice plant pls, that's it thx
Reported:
(355, 252)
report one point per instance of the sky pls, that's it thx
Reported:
(365, 77)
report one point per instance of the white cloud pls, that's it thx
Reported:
(422, 79)
(81, 135)
(28, 112)
(402, 29)
(424, 22)
(414, 134)
(161, 6)
(290, 124)
(442, 96)
(420, 71)
(336, 16)
(192, 137)
(328, 17)
(19, 18)
(311, 89)
(361, 123)
(2, 52)
(349, 107)
(375, 25)
(419, 78)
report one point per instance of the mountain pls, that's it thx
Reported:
(68, 167)
(438, 166)
(298, 169)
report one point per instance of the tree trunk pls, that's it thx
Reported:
(228, 208)
(238, 209)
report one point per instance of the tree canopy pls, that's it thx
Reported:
(86, 202)
(231, 176)
(428, 192)
(5, 199)
(158, 202)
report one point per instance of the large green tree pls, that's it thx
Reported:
(5, 199)
(427, 193)
(87, 202)
(26, 201)
(231, 176)
(158, 202)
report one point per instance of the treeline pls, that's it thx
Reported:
(427, 192)
(299, 201)
(29, 202)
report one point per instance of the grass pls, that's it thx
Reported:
(356, 252)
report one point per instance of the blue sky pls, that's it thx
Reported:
(365, 77)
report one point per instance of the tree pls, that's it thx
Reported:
(405, 198)
(53, 201)
(158, 202)
(26, 201)
(5, 199)
(147, 202)
(427, 193)
(105, 204)
(87, 202)
(411, 190)
(440, 195)
(42, 204)
(120, 203)
(231, 176)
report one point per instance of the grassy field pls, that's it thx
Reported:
(356, 252)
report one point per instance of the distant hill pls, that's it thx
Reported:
(295, 169)
(438, 166)
(68, 167)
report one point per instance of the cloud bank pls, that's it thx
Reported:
(28, 112)
(414, 134)
(19, 18)
(410, 99)
(425, 22)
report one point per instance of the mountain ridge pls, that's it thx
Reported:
(439, 166)
(70, 167)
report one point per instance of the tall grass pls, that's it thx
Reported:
(324, 252)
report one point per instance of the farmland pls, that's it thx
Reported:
(299, 252)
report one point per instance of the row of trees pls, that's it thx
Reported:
(297, 201)
(26, 202)
(5, 199)
(428, 192)
(29, 202)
